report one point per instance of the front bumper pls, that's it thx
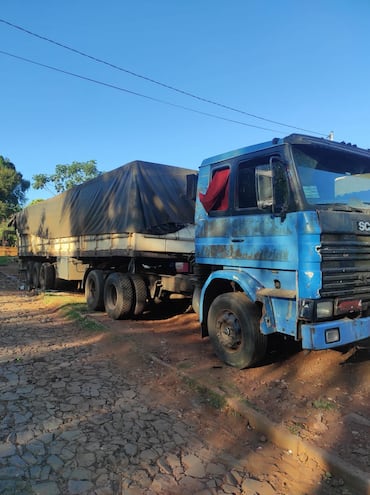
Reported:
(350, 331)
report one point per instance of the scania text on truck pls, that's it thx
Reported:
(279, 243)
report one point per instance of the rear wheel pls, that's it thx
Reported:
(47, 276)
(118, 296)
(94, 290)
(140, 293)
(233, 327)
(29, 274)
(36, 274)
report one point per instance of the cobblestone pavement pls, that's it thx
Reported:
(72, 423)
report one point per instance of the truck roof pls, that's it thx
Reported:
(291, 139)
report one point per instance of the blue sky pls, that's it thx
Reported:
(297, 62)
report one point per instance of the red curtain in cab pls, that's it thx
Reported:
(217, 196)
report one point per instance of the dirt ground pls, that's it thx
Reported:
(323, 396)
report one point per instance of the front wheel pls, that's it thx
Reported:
(233, 328)
(195, 302)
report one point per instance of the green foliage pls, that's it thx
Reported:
(66, 176)
(3, 227)
(78, 313)
(206, 395)
(8, 236)
(35, 201)
(12, 189)
(73, 308)
(325, 404)
(296, 428)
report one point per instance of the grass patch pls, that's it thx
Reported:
(250, 404)
(206, 395)
(231, 389)
(185, 365)
(73, 308)
(324, 404)
(4, 260)
(77, 313)
(296, 428)
(58, 300)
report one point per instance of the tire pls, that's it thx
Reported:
(233, 328)
(36, 275)
(118, 296)
(47, 276)
(195, 302)
(94, 290)
(29, 273)
(140, 294)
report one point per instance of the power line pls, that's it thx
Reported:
(167, 86)
(157, 100)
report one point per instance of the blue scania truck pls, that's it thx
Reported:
(268, 239)
(282, 245)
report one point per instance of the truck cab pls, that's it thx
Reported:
(282, 245)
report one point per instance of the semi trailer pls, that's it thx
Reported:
(126, 238)
(269, 239)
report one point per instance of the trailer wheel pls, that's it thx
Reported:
(94, 290)
(36, 274)
(140, 293)
(47, 276)
(118, 296)
(29, 272)
(233, 327)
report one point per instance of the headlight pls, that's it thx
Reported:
(324, 309)
(314, 310)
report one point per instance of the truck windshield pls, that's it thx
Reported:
(333, 177)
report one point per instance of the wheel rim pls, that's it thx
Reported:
(229, 331)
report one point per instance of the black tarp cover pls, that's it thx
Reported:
(141, 197)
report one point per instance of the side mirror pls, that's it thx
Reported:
(264, 187)
(272, 187)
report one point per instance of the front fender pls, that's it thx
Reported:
(246, 282)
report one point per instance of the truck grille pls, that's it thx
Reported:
(345, 266)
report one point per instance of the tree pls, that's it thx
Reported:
(12, 189)
(35, 201)
(66, 176)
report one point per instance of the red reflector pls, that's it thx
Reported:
(182, 267)
(349, 306)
